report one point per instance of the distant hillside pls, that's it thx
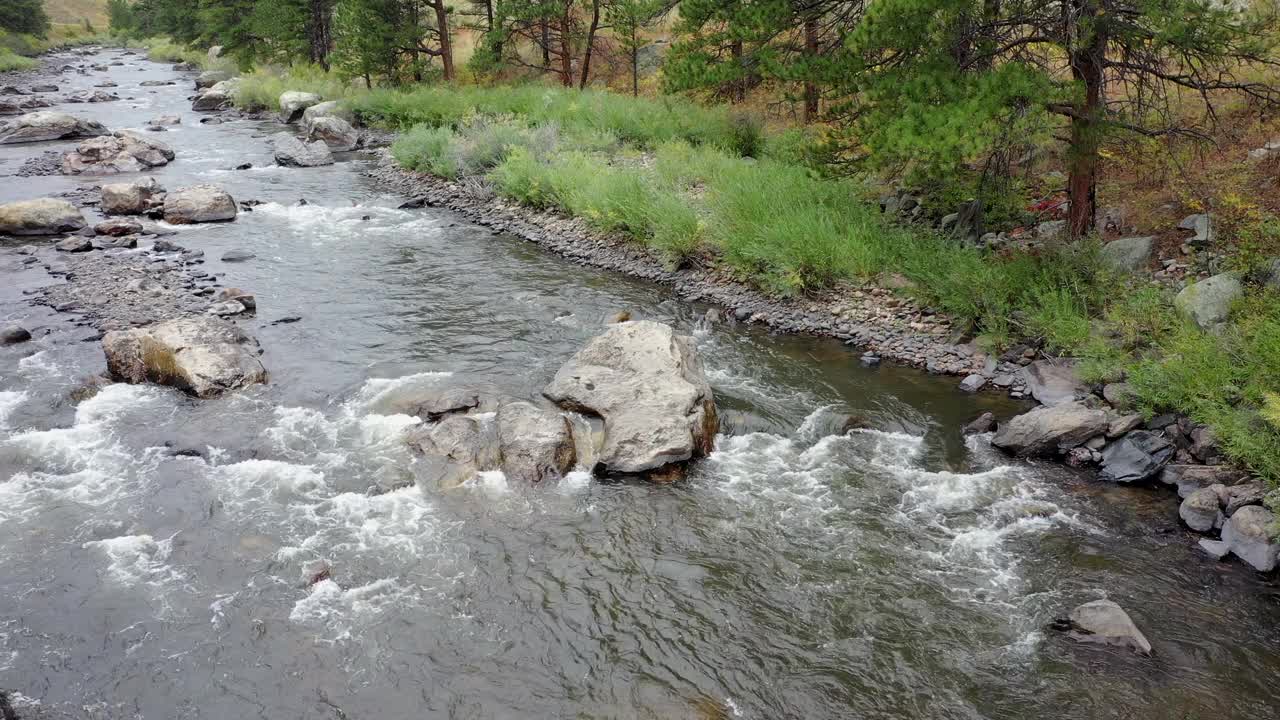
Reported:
(76, 11)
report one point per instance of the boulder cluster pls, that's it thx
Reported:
(1081, 427)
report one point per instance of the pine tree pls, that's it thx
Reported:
(24, 16)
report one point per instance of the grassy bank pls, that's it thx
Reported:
(12, 61)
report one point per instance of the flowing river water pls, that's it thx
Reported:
(894, 572)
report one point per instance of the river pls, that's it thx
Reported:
(894, 572)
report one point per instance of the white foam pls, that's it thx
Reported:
(10, 401)
(133, 559)
(337, 611)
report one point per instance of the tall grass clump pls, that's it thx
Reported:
(261, 89)
(165, 50)
(12, 61)
(426, 149)
(643, 122)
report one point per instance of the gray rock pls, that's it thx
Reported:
(648, 386)
(1050, 429)
(119, 152)
(983, 423)
(14, 334)
(204, 357)
(1243, 495)
(1135, 457)
(1247, 533)
(536, 444)
(1202, 225)
(1200, 510)
(1204, 444)
(199, 204)
(1122, 425)
(209, 78)
(118, 227)
(90, 96)
(1051, 229)
(43, 216)
(1103, 621)
(293, 103)
(973, 383)
(48, 125)
(217, 97)
(328, 108)
(454, 451)
(1208, 302)
(292, 152)
(1128, 254)
(1053, 381)
(1215, 548)
(132, 198)
(74, 244)
(165, 120)
(1119, 395)
(334, 132)
(1189, 478)
(237, 256)
(44, 88)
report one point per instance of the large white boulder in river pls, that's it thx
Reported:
(130, 198)
(48, 125)
(199, 204)
(328, 108)
(648, 386)
(537, 444)
(204, 357)
(122, 151)
(334, 132)
(292, 152)
(218, 97)
(1050, 429)
(44, 216)
(294, 102)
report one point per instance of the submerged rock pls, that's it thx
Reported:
(119, 152)
(14, 334)
(204, 357)
(199, 204)
(1050, 429)
(1247, 533)
(48, 125)
(43, 216)
(292, 152)
(1103, 621)
(648, 386)
(454, 451)
(985, 422)
(536, 444)
(1137, 456)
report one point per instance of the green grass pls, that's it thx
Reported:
(12, 61)
(261, 89)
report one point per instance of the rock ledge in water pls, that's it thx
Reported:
(204, 357)
(1105, 622)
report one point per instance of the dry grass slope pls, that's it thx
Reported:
(76, 11)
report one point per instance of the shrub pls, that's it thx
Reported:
(11, 61)
(426, 149)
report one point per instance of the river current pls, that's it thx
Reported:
(899, 571)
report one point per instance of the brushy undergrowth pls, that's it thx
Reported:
(12, 61)
(642, 122)
(261, 88)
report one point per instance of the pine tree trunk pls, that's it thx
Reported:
(739, 91)
(811, 53)
(446, 46)
(320, 32)
(566, 50)
(1088, 55)
(545, 29)
(591, 41)
(635, 68)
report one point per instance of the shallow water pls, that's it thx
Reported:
(898, 572)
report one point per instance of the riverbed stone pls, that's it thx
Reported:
(1189, 478)
(1247, 533)
(333, 132)
(292, 152)
(1123, 424)
(203, 356)
(1128, 254)
(131, 198)
(217, 97)
(42, 216)
(117, 227)
(453, 451)
(647, 384)
(209, 78)
(1135, 457)
(74, 244)
(162, 120)
(328, 108)
(1119, 395)
(1243, 495)
(985, 422)
(294, 102)
(973, 383)
(199, 204)
(14, 334)
(1214, 548)
(48, 125)
(1105, 622)
(1050, 429)
(1201, 510)
(1208, 302)
(1053, 381)
(537, 444)
(122, 151)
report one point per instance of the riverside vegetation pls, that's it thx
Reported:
(793, 207)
